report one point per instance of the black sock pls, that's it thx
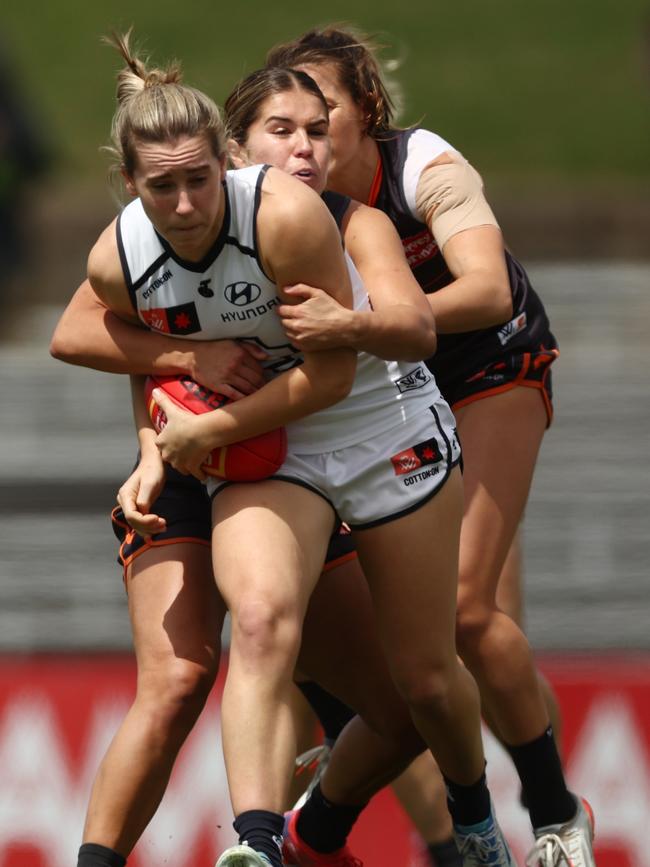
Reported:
(544, 790)
(94, 855)
(468, 805)
(325, 826)
(262, 831)
(444, 854)
(332, 714)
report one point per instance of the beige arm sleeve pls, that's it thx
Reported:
(450, 197)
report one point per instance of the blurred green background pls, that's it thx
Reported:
(535, 93)
(549, 100)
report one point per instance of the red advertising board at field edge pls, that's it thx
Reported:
(58, 714)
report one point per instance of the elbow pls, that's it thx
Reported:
(493, 298)
(65, 347)
(427, 343)
(339, 384)
(417, 350)
(60, 348)
(423, 341)
(496, 305)
(328, 383)
(428, 349)
(506, 308)
(503, 301)
(340, 388)
(345, 391)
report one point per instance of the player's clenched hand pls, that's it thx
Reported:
(181, 442)
(139, 492)
(229, 367)
(316, 321)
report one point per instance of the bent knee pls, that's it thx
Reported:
(177, 691)
(396, 725)
(263, 629)
(426, 691)
(474, 616)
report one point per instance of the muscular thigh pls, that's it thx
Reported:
(176, 611)
(500, 437)
(269, 543)
(411, 566)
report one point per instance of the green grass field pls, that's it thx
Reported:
(548, 94)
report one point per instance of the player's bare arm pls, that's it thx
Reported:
(401, 325)
(91, 335)
(450, 197)
(106, 277)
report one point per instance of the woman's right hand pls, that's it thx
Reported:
(229, 367)
(139, 492)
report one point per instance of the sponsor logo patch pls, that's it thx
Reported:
(240, 294)
(156, 284)
(413, 380)
(419, 455)
(420, 476)
(250, 312)
(204, 289)
(182, 319)
(508, 331)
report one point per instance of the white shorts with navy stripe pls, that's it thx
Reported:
(384, 477)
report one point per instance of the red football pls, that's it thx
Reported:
(246, 461)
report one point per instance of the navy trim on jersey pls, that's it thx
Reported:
(256, 205)
(402, 149)
(278, 477)
(247, 251)
(150, 270)
(125, 265)
(235, 242)
(337, 205)
(215, 249)
(445, 440)
(131, 285)
(122, 252)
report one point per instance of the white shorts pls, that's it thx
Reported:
(384, 477)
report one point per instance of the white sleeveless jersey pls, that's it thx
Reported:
(228, 296)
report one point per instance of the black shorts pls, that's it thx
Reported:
(186, 507)
(528, 369)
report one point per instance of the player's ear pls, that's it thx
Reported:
(128, 183)
(237, 154)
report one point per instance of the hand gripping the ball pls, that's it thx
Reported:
(179, 440)
(176, 404)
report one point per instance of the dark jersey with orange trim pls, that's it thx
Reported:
(459, 356)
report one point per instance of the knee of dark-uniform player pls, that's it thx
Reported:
(390, 718)
(475, 615)
(172, 696)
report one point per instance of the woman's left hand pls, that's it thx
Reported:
(317, 321)
(181, 442)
